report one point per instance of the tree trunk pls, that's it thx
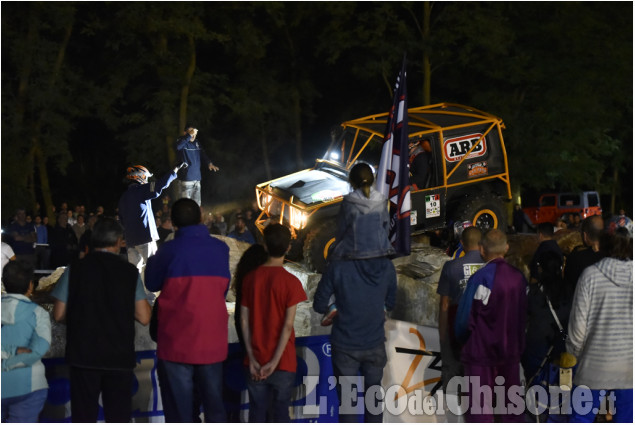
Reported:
(185, 91)
(22, 95)
(616, 179)
(38, 157)
(426, 58)
(25, 70)
(40, 161)
(265, 149)
(297, 114)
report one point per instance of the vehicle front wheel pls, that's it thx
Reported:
(318, 244)
(483, 211)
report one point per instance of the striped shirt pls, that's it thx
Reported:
(601, 325)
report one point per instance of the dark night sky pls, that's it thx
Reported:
(532, 64)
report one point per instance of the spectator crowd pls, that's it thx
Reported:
(493, 319)
(46, 243)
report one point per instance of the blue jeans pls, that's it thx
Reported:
(24, 408)
(351, 363)
(623, 407)
(180, 381)
(190, 190)
(271, 397)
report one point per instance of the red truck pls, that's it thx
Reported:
(552, 206)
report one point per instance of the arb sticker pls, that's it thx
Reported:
(456, 148)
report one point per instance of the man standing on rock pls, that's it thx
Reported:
(452, 283)
(192, 153)
(192, 273)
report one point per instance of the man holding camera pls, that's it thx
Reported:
(191, 153)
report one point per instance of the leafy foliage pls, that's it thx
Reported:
(266, 81)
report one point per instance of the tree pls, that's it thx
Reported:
(544, 69)
(265, 82)
(36, 104)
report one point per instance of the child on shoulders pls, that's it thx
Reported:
(362, 225)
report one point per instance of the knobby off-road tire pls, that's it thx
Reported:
(318, 244)
(296, 250)
(483, 211)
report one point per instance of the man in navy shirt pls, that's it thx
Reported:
(241, 232)
(192, 153)
(454, 277)
(22, 237)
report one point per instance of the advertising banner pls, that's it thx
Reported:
(412, 377)
(412, 373)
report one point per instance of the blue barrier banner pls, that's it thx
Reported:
(410, 384)
(315, 397)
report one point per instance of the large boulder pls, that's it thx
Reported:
(417, 280)
(522, 247)
(417, 300)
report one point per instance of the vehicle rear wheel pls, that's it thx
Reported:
(296, 249)
(483, 211)
(318, 244)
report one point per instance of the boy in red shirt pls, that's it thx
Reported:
(270, 297)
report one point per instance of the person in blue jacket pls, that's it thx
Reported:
(193, 155)
(26, 337)
(136, 214)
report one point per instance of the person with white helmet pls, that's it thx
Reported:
(136, 214)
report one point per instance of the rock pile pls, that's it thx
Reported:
(417, 301)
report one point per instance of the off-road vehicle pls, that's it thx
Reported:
(552, 206)
(469, 179)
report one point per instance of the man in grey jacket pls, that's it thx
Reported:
(601, 330)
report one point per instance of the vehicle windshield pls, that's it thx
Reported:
(333, 167)
(344, 151)
(594, 200)
(569, 200)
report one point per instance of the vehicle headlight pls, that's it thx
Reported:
(297, 218)
(264, 201)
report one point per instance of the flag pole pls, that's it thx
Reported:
(393, 178)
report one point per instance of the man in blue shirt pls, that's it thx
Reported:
(193, 155)
(42, 251)
(22, 237)
(241, 232)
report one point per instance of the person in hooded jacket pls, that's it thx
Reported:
(601, 330)
(362, 225)
(363, 280)
(363, 220)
